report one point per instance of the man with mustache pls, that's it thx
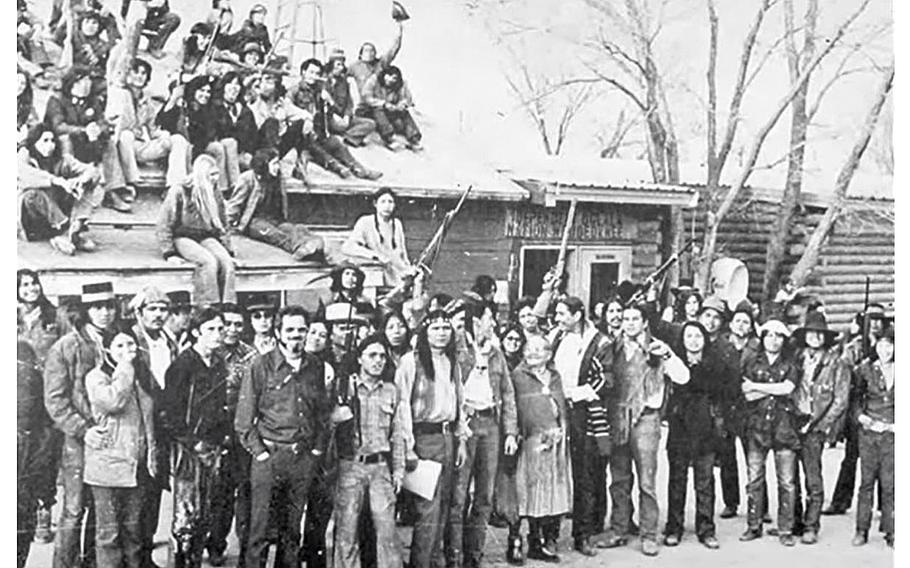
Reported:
(157, 351)
(282, 417)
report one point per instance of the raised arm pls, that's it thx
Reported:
(390, 55)
(122, 55)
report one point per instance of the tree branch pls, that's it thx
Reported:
(712, 80)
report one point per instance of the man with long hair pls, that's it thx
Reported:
(431, 399)
(389, 101)
(68, 362)
(258, 207)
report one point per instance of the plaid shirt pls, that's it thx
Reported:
(380, 420)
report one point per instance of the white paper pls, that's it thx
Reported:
(422, 481)
(581, 393)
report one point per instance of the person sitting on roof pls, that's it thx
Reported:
(30, 47)
(107, 20)
(76, 115)
(132, 113)
(344, 99)
(192, 227)
(258, 207)
(190, 111)
(368, 64)
(251, 54)
(389, 101)
(281, 124)
(56, 193)
(159, 24)
(91, 49)
(194, 57)
(379, 237)
(236, 124)
(327, 150)
(254, 28)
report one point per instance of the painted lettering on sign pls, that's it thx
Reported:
(547, 224)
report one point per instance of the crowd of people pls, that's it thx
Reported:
(227, 116)
(250, 415)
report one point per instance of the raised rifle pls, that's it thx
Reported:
(658, 274)
(428, 255)
(557, 270)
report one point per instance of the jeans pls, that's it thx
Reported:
(357, 130)
(589, 471)
(286, 474)
(192, 493)
(784, 462)
(151, 509)
(429, 528)
(225, 483)
(644, 440)
(541, 529)
(810, 458)
(26, 494)
(118, 540)
(294, 238)
(74, 543)
(703, 472)
(356, 482)
(214, 279)
(48, 212)
(467, 527)
(846, 477)
(390, 122)
(876, 459)
(163, 27)
(174, 147)
(729, 471)
(329, 152)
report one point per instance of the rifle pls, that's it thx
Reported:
(427, 256)
(866, 347)
(557, 269)
(658, 274)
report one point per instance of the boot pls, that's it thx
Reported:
(514, 553)
(537, 551)
(63, 245)
(115, 202)
(364, 173)
(43, 534)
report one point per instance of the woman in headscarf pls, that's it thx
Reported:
(56, 193)
(192, 227)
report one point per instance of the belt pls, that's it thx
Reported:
(432, 427)
(489, 412)
(372, 458)
(293, 446)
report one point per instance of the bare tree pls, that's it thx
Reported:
(799, 126)
(538, 95)
(713, 217)
(809, 258)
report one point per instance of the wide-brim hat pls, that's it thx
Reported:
(774, 326)
(716, 304)
(180, 300)
(815, 321)
(399, 14)
(97, 293)
(261, 302)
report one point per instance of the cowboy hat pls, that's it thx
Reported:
(815, 321)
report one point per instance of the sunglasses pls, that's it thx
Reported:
(260, 315)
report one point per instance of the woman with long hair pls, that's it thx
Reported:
(56, 193)
(258, 207)
(512, 338)
(236, 124)
(394, 327)
(26, 117)
(379, 237)
(192, 227)
(120, 449)
(37, 316)
(693, 410)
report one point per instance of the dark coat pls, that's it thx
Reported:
(829, 393)
(163, 466)
(771, 422)
(695, 410)
(64, 117)
(500, 383)
(243, 130)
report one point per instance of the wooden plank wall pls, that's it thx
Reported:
(861, 244)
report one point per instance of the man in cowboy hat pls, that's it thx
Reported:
(769, 378)
(261, 308)
(252, 54)
(821, 398)
(178, 319)
(68, 361)
(345, 322)
(157, 351)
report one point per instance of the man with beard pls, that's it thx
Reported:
(156, 350)
(234, 474)
(327, 150)
(67, 363)
(196, 420)
(282, 417)
(611, 322)
(387, 100)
